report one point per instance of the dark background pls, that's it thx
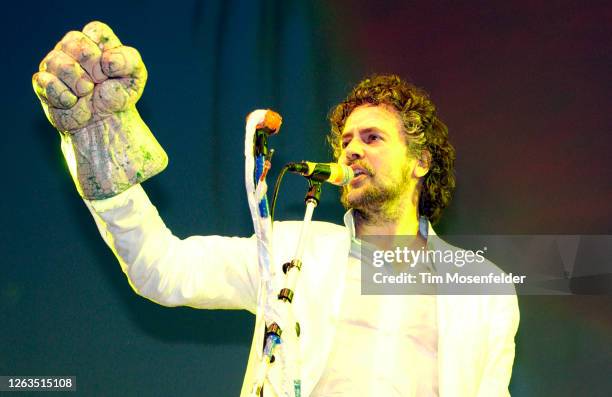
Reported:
(523, 86)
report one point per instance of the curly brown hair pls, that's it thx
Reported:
(425, 131)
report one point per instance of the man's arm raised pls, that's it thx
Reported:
(88, 86)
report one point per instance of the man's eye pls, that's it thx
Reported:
(344, 144)
(373, 137)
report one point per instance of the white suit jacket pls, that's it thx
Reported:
(476, 333)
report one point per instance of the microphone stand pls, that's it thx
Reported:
(277, 313)
(292, 270)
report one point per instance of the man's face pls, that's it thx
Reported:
(374, 145)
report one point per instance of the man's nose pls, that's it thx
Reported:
(354, 150)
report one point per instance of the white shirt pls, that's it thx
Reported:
(385, 345)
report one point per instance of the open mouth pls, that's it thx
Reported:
(360, 175)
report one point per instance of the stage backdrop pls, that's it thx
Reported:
(524, 89)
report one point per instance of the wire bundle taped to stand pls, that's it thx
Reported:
(278, 349)
(277, 290)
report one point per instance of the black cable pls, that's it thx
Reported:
(276, 188)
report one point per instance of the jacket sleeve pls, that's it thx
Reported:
(500, 347)
(210, 272)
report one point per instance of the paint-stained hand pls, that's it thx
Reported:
(88, 77)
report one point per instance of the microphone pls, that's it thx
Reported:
(336, 174)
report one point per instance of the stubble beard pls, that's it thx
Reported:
(378, 203)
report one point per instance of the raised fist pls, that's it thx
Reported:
(88, 86)
(87, 77)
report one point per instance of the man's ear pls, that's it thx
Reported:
(423, 164)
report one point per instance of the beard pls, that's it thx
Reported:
(377, 199)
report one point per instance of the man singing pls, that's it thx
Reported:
(351, 344)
